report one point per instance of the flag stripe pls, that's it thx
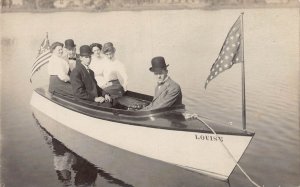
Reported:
(41, 61)
(37, 67)
(41, 56)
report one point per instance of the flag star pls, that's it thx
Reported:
(237, 35)
(226, 41)
(231, 37)
(216, 73)
(231, 54)
(233, 29)
(233, 45)
(226, 57)
(221, 61)
(219, 57)
(217, 65)
(211, 77)
(227, 48)
(206, 81)
(238, 43)
(237, 59)
(213, 69)
(223, 52)
(220, 69)
(226, 65)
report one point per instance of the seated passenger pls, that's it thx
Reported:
(167, 92)
(97, 64)
(83, 81)
(69, 53)
(58, 70)
(114, 73)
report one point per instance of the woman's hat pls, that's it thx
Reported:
(108, 47)
(85, 50)
(54, 45)
(96, 45)
(158, 64)
(69, 44)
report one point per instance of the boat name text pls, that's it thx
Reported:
(208, 137)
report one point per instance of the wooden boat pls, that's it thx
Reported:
(163, 134)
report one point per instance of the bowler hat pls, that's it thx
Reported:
(108, 47)
(158, 64)
(85, 50)
(54, 45)
(69, 44)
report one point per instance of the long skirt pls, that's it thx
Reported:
(57, 86)
(115, 90)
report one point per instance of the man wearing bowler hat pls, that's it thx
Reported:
(167, 92)
(69, 53)
(83, 80)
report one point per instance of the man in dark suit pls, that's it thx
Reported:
(167, 92)
(83, 80)
(69, 53)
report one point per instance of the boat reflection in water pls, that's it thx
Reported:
(71, 169)
(82, 161)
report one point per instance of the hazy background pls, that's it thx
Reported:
(190, 40)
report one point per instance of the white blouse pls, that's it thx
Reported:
(58, 66)
(97, 65)
(114, 70)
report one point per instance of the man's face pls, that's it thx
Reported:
(161, 76)
(85, 60)
(71, 52)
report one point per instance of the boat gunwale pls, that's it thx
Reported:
(144, 114)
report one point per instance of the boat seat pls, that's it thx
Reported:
(127, 102)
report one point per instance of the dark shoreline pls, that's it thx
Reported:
(148, 7)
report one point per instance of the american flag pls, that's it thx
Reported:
(42, 57)
(231, 52)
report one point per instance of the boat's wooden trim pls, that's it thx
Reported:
(142, 118)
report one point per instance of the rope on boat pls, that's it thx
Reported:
(195, 116)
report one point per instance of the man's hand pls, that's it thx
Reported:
(107, 98)
(99, 99)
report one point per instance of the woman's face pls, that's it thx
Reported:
(110, 55)
(58, 51)
(96, 51)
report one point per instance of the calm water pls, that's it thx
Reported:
(190, 41)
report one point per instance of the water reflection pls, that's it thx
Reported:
(71, 169)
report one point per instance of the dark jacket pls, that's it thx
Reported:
(84, 84)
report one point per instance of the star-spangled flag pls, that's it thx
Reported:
(43, 56)
(231, 52)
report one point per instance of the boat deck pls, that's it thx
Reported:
(171, 118)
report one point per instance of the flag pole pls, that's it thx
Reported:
(243, 79)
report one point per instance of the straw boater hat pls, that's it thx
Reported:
(69, 44)
(158, 64)
(108, 47)
(85, 50)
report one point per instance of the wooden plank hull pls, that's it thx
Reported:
(196, 151)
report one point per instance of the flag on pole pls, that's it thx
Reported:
(42, 57)
(231, 51)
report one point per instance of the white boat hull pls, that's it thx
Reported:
(200, 152)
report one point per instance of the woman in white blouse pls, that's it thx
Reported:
(97, 64)
(114, 73)
(58, 69)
